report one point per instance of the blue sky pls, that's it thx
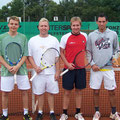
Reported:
(4, 2)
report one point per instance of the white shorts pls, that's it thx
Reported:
(44, 83)
(7, 83)
(108, 77)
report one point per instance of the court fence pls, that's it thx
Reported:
(58, 29)
(15, 99)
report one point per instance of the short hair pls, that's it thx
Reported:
(14, 18)
(75, 19)
(44, 20)
(102, 15)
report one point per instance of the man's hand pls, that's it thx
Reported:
(115, 62)
(71, 66)
(38, 69)
(95, 68)
(57, 75)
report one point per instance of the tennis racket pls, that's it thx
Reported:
(48, 59)
(82, 59)
(114, 60)
(13, 54)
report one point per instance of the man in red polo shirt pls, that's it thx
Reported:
(70, 45)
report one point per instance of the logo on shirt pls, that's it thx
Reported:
(102, 43)
(72, 43)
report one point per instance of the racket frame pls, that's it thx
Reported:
(49, 66)
(76, 64)
(10, 62)
(87, 63)
(113, 56)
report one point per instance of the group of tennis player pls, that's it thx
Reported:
(102, 43)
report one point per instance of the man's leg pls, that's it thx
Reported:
(5, 100)
(25, 104)
(114, 114)
(51, 106)
(66, 100)
(40, 107)
(40, 102)
(6, 89)
(25, 99)
(96, 104)
(112, 100)
(51, 101)
(78, 94)
(5, 103)
(96, 99)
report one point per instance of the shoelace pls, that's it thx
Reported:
(97, 115)
(117, 115)
(63, 116)
(80, 115)
(4, 116)
(52, 115)
(39, 115)
(27, 116)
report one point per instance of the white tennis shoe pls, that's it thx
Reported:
(64, 117)
(115, 116)
(96, 115)
(79, 116)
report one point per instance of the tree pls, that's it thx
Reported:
(16, 8)
(86, 9)
(34, 12)
(4, 13)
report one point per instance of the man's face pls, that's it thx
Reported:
(75, 26)
(102, 23)
(13, 25)
(43, 28)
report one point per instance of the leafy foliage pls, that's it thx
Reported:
(86, 9)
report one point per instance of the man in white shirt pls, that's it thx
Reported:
(46, 80)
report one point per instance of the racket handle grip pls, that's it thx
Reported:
(33, 76)
(64, 72)
(15, 78)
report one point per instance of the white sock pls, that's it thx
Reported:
(25, 111)
(40, 111)
(5, 112)
(51, 111)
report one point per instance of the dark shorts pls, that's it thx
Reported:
(74, 78)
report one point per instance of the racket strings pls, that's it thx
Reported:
(49, 57)
(116, 55)
(83, 59)
(116, 59)
(13, 53)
